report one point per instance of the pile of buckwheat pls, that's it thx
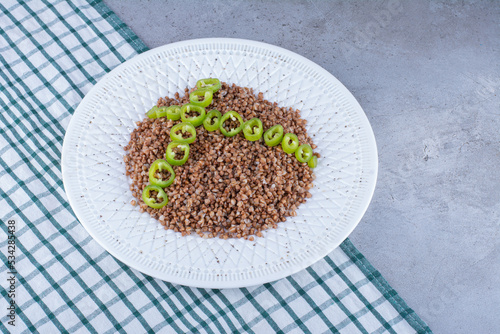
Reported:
(229, 187)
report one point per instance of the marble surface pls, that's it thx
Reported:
(428, 77)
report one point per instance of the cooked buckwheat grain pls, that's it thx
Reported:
(229, 187)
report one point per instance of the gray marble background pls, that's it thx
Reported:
(428, 77)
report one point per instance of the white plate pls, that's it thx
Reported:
(98, 190)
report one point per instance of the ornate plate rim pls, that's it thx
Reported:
(76, 203)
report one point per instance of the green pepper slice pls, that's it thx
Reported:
(201, 97)
(273, 135)
(174, 113)
(170, 153)
(151, 113)
(304, 153)
(313, 162)
(161, 112)
(183, 128)
(161, 165)
(290, 143)
(211, 83)
(234, 116)
(195, 120)
(252, 129)
(212, 121)
(152, 202)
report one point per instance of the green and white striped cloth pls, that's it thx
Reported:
(51, 54)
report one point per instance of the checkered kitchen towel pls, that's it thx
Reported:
(51, 54)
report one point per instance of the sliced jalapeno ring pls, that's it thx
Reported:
(201, 97)
(159, 166)
(178, 132)
(304, 153)
(174, 113)
(212, 121)
(172, 150)
(210, 83)
(290, 143)
(273, 135)
(161, 112)
(195, 120)
(234, 116)
(252, 129)
(313, 162)
(151, 113)
(151, 201)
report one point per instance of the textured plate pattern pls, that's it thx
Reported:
(98, 190)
